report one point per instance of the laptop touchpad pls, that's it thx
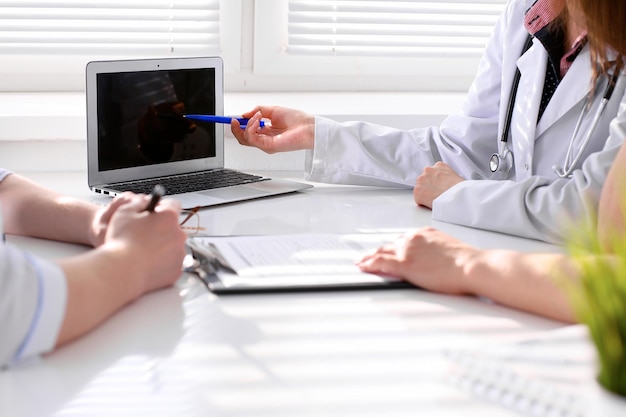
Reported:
(233, 192)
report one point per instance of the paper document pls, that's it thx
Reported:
(297, 261)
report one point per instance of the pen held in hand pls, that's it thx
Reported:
(221, 119)
(157, 192)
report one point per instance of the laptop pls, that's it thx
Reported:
(137, 135)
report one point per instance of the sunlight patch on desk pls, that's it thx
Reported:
(332, 304)
(204, 352)
(384, 368)
(135, 382)
(387, 326)
(386, 230)
(362, 399)
(330, 327)
(347, 346)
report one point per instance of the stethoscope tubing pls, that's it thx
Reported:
(571, 160)
(497, 159)
(568, 165)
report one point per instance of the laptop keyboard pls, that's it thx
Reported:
(186, 183)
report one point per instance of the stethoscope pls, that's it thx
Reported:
(503, 160)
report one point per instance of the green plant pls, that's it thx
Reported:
(599, 300)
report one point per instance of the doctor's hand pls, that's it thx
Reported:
(290, 129)
(427, 258)
(434, 181)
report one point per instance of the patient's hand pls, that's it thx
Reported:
(427, 258)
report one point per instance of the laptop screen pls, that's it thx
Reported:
(140, 117)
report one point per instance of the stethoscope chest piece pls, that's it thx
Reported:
(501, 162)
(494, 162)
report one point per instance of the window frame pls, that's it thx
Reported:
(253, 36)
(351, 73)
(65, 72)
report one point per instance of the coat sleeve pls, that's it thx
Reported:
(33, 296)
(538, 207)
(367, 154)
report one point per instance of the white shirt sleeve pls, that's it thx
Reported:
(33, 296)
(33, 300)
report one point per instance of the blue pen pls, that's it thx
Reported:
(220, 119)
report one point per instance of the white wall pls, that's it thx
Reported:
(43, 132)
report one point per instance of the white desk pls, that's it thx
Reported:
(185, 352)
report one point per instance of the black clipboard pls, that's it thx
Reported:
(286, 263)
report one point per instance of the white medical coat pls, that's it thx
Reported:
(532, 201)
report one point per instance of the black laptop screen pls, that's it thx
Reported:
(140, 117)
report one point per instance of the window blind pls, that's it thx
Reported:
(110, 27)
(411, 28)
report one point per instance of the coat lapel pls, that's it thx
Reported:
(532, 66)
(572, 90)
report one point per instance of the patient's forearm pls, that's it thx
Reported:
(31, 210)
(99, 283)
(530, 282)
